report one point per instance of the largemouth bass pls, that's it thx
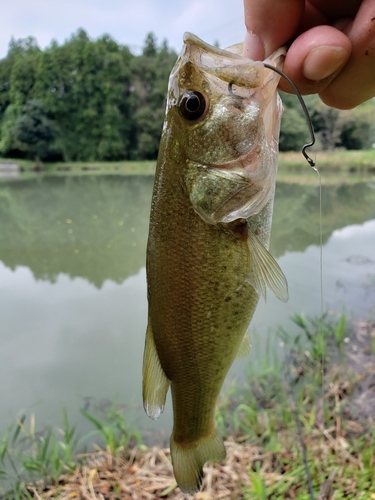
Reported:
(207, 255)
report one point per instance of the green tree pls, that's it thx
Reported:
(33, 131)
(8, 145)
(357, 127)
(326, 125)
(294, 132)
(17, 78)
(85, 86)
(23, 76)
(104, 103)
(6, 66)
(150, 46)
(150, 73)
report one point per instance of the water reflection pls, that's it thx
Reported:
(95, 227)
(92, 227)
(73, 290)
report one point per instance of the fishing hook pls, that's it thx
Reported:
(304, 109)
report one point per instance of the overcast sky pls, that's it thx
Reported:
(126, 21)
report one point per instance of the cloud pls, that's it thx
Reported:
(348, 232)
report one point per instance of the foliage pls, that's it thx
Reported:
(104, 102)
(7, 139)
(354, 129)
(294, 132)
(32, 131)
(338, 435)
(315, 387)
(150, 75)
(107, 104)
(357, 127)
(28, 455)
(326, 125)
(113, 430)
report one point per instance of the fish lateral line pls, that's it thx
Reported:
(309, 160)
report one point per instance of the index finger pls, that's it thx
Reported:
(270, 24)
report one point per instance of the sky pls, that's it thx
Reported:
(127, 21)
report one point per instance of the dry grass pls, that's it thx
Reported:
(148, 475)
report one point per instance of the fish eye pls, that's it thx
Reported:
(192, 105)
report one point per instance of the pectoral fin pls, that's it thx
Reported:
(265, 271)
(155, 382)
(245, 347)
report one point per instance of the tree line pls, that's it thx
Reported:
(88, 100)
(83, 100)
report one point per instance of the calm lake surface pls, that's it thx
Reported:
(73, 286)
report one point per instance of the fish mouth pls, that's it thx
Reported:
(229, 64)
(191, 39)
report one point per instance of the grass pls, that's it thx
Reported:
(323, 375)
(319, 396)
(334, 166)
(331, 161)
(82, 168)
(28, 457)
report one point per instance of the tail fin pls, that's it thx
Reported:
(188, 460)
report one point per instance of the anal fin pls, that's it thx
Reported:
(155, 382)
(265, 271)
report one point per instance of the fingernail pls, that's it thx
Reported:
(322, 62)
(253, 47)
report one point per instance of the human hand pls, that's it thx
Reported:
(333, 49)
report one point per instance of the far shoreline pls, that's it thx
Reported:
(337, 161)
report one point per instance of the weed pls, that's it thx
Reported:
(28, 456)
(113, 430)
(308, 387)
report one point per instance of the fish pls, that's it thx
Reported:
(207, 254)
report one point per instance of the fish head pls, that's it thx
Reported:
(225, 115)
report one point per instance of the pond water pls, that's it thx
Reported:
(73, 286)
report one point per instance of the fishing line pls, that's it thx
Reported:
(321, 277)
(312, 164)
(292, 400)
